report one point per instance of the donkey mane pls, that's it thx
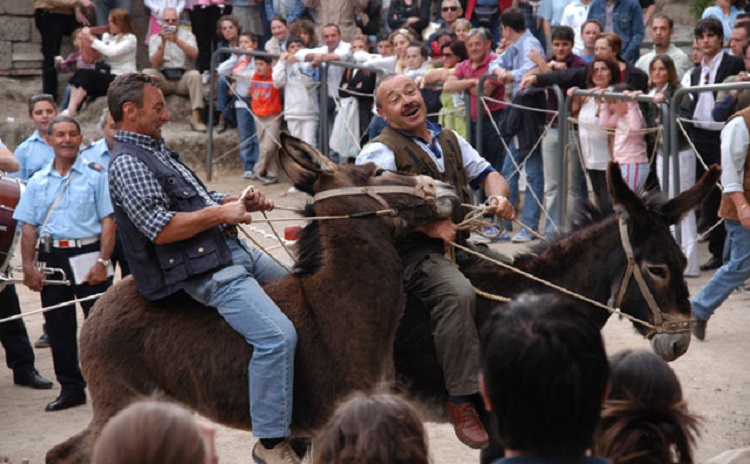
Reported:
(309, 249)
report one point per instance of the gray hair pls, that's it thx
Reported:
(63, 118)
(479, 31)
(127, 88)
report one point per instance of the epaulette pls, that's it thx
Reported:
(96, 166)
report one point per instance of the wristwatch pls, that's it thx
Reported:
(105, 262)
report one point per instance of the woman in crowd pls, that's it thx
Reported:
(379, 428)
(664, 82)
(305, 29)
(594, 142)
(117, 49)
(279, 32)
(410, 14)
(645, 419)
(155, 432)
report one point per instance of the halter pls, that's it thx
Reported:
(424, 189)
(663, 322)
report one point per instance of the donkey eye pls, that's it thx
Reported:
(658, 271)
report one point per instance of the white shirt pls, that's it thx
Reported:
(574, 15)
(681, 61)
(594, 139)
(706, 101)
(118, 54)
(380, 154)
(735, 140)
(174, 57)
(344, 51)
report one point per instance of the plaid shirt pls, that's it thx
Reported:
(134, 187)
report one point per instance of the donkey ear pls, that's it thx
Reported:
(302, 162)
(690, 199)
(625, 201)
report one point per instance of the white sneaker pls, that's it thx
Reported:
(279, 454)
(206, 77)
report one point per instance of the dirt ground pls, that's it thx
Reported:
(714, 375)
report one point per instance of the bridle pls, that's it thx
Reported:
(663, 322)
(423, 189)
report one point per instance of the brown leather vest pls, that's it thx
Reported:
(727, 209)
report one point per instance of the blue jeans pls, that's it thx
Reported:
(493, 149)
(236, 293)
(224, 101)
(104, 6)
(729, 276)
(532, 210)
(248, 139)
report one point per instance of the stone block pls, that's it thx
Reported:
(6, 60)
(27, 64)
(15, 28)
(36, 36)
(25, 48)
(19, 7)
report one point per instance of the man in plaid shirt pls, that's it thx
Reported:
(180, 236)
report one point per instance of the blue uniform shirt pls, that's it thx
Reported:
(32, 154)
(79, 213)
(97, 152)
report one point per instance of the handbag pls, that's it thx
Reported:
(173, 74)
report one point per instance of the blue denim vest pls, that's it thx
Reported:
(161, 270)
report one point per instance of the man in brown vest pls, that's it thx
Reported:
(735, 210)
(410, 143)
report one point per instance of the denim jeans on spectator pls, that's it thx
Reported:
(104, 6)
(248, 138)
(493, 149)
(224, 101)
(729, 276)
(532, 210)
(236, 293)
(532, 23)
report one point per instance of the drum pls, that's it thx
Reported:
(10, 193)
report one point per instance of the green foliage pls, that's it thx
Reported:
(697, 7)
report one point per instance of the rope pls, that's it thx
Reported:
(554, 286)
(50, 308)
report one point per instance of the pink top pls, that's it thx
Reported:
(464, 71)
(630, 143)
(190, 4)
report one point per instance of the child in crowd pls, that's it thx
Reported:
(75, 60)
(33, 153)
(461, 27)
(645, 419)
(630, 144)
(157, 7)
(300, 81)
(266, 106)
(416, 60)
(377, 428)
(384, 47)
(242, 74)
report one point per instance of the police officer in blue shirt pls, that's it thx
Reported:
(18, 353)
(67, 209)
(100, 152)
(34, 152)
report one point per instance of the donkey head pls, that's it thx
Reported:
(357, 189)
(659, 259)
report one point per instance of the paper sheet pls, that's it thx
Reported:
(81, 265)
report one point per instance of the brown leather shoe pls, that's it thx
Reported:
(699, 328)
(468, 427)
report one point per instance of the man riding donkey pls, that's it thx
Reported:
(178, 235)
(412, 144)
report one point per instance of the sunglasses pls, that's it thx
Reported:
(170, 21)
(448, 55)
(450, 8)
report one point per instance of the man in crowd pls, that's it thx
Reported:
(735, 210)
(410, 143)
(739, 38)
(171, 53)
(540, 349)
(575, 15)
(18, 353)
(67, 224)
(54, 19)
(624, 18)
(177, 235)
(662, 30)
(509, 68)
(715, 67)
(466, 77)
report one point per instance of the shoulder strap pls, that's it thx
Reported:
(56, 202)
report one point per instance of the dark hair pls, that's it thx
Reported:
(127, 88)
(614, 69)
(545, 374)
(446, 31)
(42, 97)
(592, 21)
(614, 40)
(330, 25)
(513, 18)
(278, 18)
(63, 118)
(743, 25)
(423, 50)
(710, 25)
(304, 25)
(264, 58)
(673, 80)
(379, 428)
(294, 39)
(645, 417)
(663, 16)
(563, 33)
(122, 19)
(458, 48)
(231, 19)
(151, 432)
(250, 35)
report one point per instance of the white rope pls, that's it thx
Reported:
(50, 308)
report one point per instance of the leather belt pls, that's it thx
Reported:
(230, 232)
(74, 242)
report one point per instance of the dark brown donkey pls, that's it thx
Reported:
(591, 261)
(345, 298)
